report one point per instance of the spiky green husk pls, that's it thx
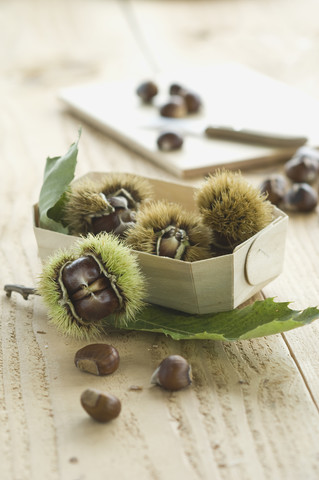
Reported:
(139, 188)
(232, 208)
(117, 260)
(84, 199)
(156, 216)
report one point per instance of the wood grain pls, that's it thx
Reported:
(252, 410)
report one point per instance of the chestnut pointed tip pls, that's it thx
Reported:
(154, 377)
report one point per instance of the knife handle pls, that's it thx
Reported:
(252, 136)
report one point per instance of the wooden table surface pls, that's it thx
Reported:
(252, 411)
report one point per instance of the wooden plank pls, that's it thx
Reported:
(299, 284)
(57, 48)
(245, 401)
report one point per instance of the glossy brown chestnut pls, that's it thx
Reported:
(101, 406)
(176, 89)
(169, 141)
(174, 108)
(89, 290)
(193, 102)
(173, 373)
(147, 90)
(300, 198)
(117, 221)
(275, 188)
(302, 168)
(97, 358)
(169, 244)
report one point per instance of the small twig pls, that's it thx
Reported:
(24, 291)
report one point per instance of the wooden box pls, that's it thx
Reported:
(213, 285)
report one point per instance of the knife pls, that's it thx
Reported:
(242, 134)
(228, 132)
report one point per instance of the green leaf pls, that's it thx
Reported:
(58, 174)
(259, 319)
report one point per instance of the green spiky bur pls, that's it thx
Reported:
(232, 208)
(87, 198)
(117, 260)
(49, 288)
(155, 218)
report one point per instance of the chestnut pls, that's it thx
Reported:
(300, 198)
(171, 242)
(164, 228)
(192, 99)
(89, 290)
(97, 358)
(168, 141)
(81, 286)
(193, 102)
(107, 204)
(118, 220)
(303, 168)
(176, 89)
(275, 188)
(101, 406)
(173, 373)
(174, 108)
(147, 90)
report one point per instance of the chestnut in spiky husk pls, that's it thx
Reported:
(96, 278)
(165, 229)
(232, 208)
(109, 205)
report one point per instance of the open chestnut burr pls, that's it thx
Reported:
(109, 205)
(165, 229)
(82, 286)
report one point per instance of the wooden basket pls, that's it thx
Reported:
(214, 285)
